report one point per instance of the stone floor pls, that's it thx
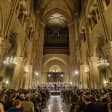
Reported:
(55, 104)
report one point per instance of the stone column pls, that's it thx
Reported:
(1, 46)
(35, 83)
(40, 51)
(84, 76)
(28, 77)
(107, 49)
(103, 19)
(76, 80)
(4, 45)
(18, 73)
(72, 49)
(22, 81)
(1, 76)
(94, 73)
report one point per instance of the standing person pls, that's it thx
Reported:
(17, 107)
(110, 103)
(2, 100)
(28, 104)
(1, 108)
(89, 107)
(74, 103)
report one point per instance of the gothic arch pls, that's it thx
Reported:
(55, 61)
(50, 12)
(54, 58)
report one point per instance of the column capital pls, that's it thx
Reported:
(70, 24)
(108, 48)
(84, 67)
(108, 44)
(94, 61)
(19, 59)
(28, 68)
(4, 43)
(93, 58)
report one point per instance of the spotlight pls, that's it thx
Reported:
(36, 73)
(76, 72)
(7, 82)
(61, 75)
(49, 75)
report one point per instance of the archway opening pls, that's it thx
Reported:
(56, 35)
(55, 74)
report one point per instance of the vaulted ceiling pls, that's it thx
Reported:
(56, 15)
(51, 10)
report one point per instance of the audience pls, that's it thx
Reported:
(88, 100)
(80, 100)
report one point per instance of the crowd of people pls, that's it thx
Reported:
(34, 100)
(23, 100)
(86, 100)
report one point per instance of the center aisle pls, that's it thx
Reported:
(55, 104)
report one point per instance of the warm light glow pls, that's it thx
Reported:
(55, 68)
(57, 18)
(7, 82)
(86, 69)
(102, 62)
(61, 75)
(36, 73)
(10, 60)
(49, 75)
(26, 69)
(76, 72)
(105, 81)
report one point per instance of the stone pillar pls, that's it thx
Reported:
(22, 81)
(28, 77)
(18, 73)
(1, 43)
(72, 49)
(107, 49)
(76, 80)
(84, 76)
(101, 8)
(1, 75)
(94, 73)
(4, 45)
(40, 51)
(35, 83)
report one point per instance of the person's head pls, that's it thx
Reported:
(22, 96)
(17, 103)
(104, 100)
(97, 97)
(75, 98)
(87, 100)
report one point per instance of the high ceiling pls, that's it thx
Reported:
(56, 19)
(56, 15)
(57, 11)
